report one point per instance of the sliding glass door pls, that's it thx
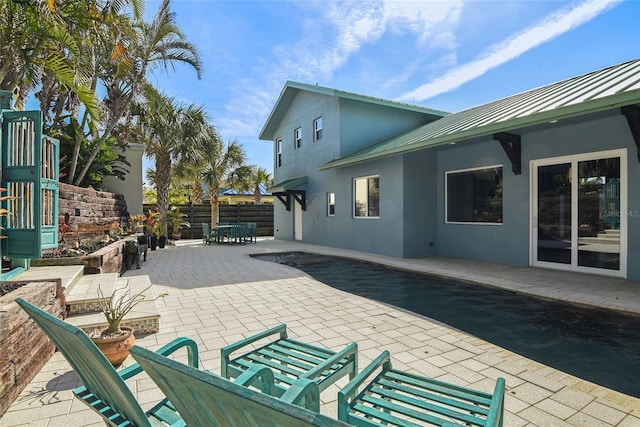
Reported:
(579, 212)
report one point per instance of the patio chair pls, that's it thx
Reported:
(104, 389)
(205, 399)
(206, 233)
(290, 360)
(397, 398)
(252, 232)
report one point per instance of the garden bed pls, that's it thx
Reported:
(107, 259)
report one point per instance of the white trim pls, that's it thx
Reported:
(331, 194)
(533, 220)
(446, 194)
(317, 131)
(297, 140)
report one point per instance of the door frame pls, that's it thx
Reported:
(297, 221)
(533, 225)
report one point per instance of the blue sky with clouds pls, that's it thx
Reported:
(446, 55)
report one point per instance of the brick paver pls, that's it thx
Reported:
(218, 295)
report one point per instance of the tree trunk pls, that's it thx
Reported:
(163, 180)
(213, 199)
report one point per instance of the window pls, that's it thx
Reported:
(331, 204)
(317, 129)
(474, 195)
(366, 196)
(297, 138)
(278, 152)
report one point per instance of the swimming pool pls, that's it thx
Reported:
(598, 345)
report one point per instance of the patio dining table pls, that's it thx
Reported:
(232, 232)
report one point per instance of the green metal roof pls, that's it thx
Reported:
(289, 184)
(291, 89)
(594, 92)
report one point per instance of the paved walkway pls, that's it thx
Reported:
(218, 295)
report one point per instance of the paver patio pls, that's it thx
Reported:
(218, 295)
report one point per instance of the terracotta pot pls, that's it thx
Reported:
(116, 349)
(176, 236)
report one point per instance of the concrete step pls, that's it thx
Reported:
(144, 318)
(83, 296)
(67, 274)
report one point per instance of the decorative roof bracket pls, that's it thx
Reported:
(298, 196)
(632, 114)
(285, 198)
(513, 148)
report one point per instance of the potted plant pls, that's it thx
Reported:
(137, 222)
(175, 222)
(153, 225)
(116, 340)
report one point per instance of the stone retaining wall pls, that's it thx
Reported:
(109, 259)
(91, 212)
(25, 348)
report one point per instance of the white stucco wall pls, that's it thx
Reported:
(131, 187)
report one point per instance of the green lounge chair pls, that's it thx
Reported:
(291, 360)
(397, 398)
(104, 388)
(205, 399)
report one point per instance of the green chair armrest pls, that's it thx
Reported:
(305, 393)
(165, 350)
(351, 389)
(351, 351)
(496, 413)
(261, 372)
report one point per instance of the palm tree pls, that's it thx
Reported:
(218, 165)
(124, 75)
(39, 41)
(250, 178)
(259, 177)
(170, 132)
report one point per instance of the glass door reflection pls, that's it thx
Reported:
(554, 213)
(599, 213)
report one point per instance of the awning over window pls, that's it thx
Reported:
(286, 190)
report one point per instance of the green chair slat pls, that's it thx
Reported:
(246, 362)
(313, 350)
(287, 357)
(367, 416)
(399, 403)
(205, 399)
(432, 384)
(104, 389)
(465, 405)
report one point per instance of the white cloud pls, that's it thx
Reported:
(333, 33)
(551, 27)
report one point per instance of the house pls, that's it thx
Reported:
(543, 178)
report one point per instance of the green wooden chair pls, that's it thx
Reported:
(104, 388)
(290, 360)
(252, 232)
(205, 399)
(206, 233)
(397, 398)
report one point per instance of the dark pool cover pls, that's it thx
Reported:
(598, 345)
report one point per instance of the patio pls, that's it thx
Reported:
(218, 295)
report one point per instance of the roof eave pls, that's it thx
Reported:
(584, 108)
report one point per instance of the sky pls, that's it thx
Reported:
(446, 55)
